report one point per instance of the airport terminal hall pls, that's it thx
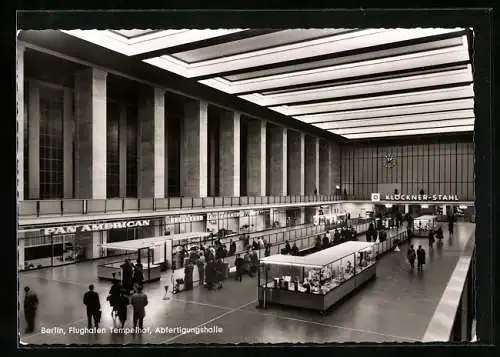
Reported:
(235, 185)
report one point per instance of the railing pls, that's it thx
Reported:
(453, 318)
(37, 208)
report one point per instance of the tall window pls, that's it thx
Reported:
(113, 150)
(51, 143)
(175, 115)
(132, 127)
(26, 145)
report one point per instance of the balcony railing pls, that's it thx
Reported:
(38, 208)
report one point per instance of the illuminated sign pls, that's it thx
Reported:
(407, 197)
(183, 219)
(236, 214)
(95, 227)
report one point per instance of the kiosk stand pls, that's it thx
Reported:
(316, 281)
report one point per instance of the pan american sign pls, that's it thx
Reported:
(412, 197)
(95, 227)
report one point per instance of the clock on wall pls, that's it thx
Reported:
(389, 160)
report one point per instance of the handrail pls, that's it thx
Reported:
(443, 324)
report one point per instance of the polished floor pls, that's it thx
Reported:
(396, 307)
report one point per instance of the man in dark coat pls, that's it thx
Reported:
(121, 303)
(188, 275)
(411, 255)
(326, 242)
(287, 248)
(91, 301)
(232, 248)
(127, 275)
(267, 250)
(239, 267)
(30, 307)
(138, 277)
(114, 295)
(420, 258)
(431, 238)
(295, 249)
(210, 272)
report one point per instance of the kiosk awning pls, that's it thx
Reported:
(151, 242)
(318, 259)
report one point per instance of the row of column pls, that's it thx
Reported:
(294, 159)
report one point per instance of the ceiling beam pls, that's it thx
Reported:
(353, 52)
(203, 43)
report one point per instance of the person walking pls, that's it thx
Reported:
(138, 276)
(139, 301)
(239, 262)
(121, 304)
(127, 275)
(210, 271)
(420, 258)
(30, 308)
(200, 263)
(431, 238)
(91, 301)
(411, 255)
(113, 296)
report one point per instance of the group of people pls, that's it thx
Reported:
(373, 234)
(132, 275)
(324, 241)
(248, 264)
(118, 298)
(419, 255)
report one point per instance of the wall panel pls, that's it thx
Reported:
(436, 167)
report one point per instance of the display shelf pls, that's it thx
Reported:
(318, 280)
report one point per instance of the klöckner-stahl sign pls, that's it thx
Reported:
(433, 197)
(95, 227)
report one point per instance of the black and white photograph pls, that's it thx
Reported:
(246, 185)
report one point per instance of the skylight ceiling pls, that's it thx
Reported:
(357, 83)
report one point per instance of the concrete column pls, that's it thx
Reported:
(263, 162)
(317, 165)
(302, 215)
(444, 209)
(151, 153)
(96, 243)
(34, 140)
(20, 253)
(277, 179)
(194, 171)
(256, 153)
(122, 139)
(68, 143)
(90, 144)
(302, 164)
(229, 175)
(157, 231)
(407, 208)
(20, 118)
